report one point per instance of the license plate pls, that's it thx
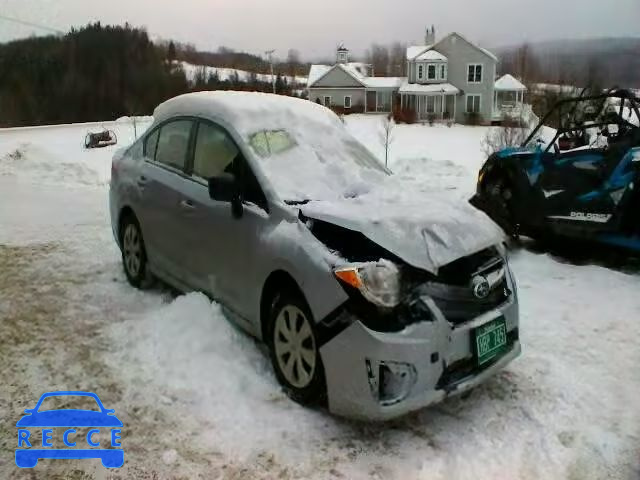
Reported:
(490, 340)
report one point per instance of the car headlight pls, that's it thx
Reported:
(378, 282)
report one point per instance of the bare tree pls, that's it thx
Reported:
(398, 60)
(386, 136)
(293, 63)
(378, 57)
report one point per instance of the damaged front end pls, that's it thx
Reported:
(405, 337)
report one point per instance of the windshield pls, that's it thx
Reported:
(66, 402)
(315, 162)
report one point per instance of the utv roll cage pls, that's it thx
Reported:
(598, 103)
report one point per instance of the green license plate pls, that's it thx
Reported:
(490, 340)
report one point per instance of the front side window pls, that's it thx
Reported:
(431, 104)
(473, 104)
(347, 102)
(443, 72)
(151, 144)
(327, 101)
(214, 151)
(474, 73)
(420, 72)
(173, 144)
(431, 72)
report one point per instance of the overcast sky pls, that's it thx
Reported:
(315, 27)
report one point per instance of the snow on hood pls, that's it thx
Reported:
(426, 230)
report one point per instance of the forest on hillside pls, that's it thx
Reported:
(98, 73)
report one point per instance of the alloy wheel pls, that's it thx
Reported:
(132, 249)
(295, 348)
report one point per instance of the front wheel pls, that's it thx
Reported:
(499, 193)
(293, 348)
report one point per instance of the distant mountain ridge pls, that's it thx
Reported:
(614, 61)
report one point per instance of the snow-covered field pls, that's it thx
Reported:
(198, 398)
(191, 71)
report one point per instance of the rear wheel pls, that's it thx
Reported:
(134, 255)
(293, 349)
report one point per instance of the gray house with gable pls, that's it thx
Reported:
(451, 79)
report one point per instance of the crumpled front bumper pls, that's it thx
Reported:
(432, 360)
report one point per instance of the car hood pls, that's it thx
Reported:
(426, 231)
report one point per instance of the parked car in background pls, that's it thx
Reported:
(371, 295)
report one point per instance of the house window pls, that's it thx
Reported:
(347, 101)
(431, 72)
(420, 72)
(443, 72)
(474, 73)
(473, 103)
(327, 101)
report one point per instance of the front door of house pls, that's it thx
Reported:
(371, 101)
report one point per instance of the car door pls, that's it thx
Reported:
(160, 181)
(219, 247)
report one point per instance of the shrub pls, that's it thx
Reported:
(431, 118)
(404, 115)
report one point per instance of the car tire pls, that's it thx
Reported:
(293, 348)
(134, 254)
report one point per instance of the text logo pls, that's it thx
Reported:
(54, 433)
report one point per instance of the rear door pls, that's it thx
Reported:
(163, 173)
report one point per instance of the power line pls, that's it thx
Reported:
(30, 24)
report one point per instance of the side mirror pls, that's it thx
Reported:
(224, 188)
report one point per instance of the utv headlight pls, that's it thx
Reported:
(378, 282)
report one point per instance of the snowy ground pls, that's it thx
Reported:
(197, 397)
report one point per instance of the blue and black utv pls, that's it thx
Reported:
(576, 175)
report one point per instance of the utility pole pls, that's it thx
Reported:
(269, 54)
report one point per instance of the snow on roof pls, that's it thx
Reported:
(357, 70)
(316, 72)
(508, 82)
(432, 55)
(431, 88)
(414, 50)
(248, 112)
(384, 82)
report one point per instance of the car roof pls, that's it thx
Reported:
(247, 112)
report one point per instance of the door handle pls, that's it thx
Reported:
(187, 205)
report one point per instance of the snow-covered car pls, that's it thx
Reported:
(372, 295)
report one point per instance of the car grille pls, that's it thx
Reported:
(453, 293)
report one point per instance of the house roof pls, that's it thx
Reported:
(384, 82)
(434, 88)
(356, 69)
(462, 37)
(432, 55)
(508, 82)
(414, 50)
(316, 72)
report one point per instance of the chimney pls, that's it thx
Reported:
(342, 54)
(430, 36)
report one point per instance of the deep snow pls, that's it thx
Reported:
(197, 396)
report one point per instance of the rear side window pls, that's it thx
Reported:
(150, 145)
(173, 144)
(214, 152)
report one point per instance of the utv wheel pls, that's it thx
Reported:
(293, 348)
(134, 255)
(500, 193)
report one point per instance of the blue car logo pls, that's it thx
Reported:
(70, 419)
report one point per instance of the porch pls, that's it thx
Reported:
(430, 102)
